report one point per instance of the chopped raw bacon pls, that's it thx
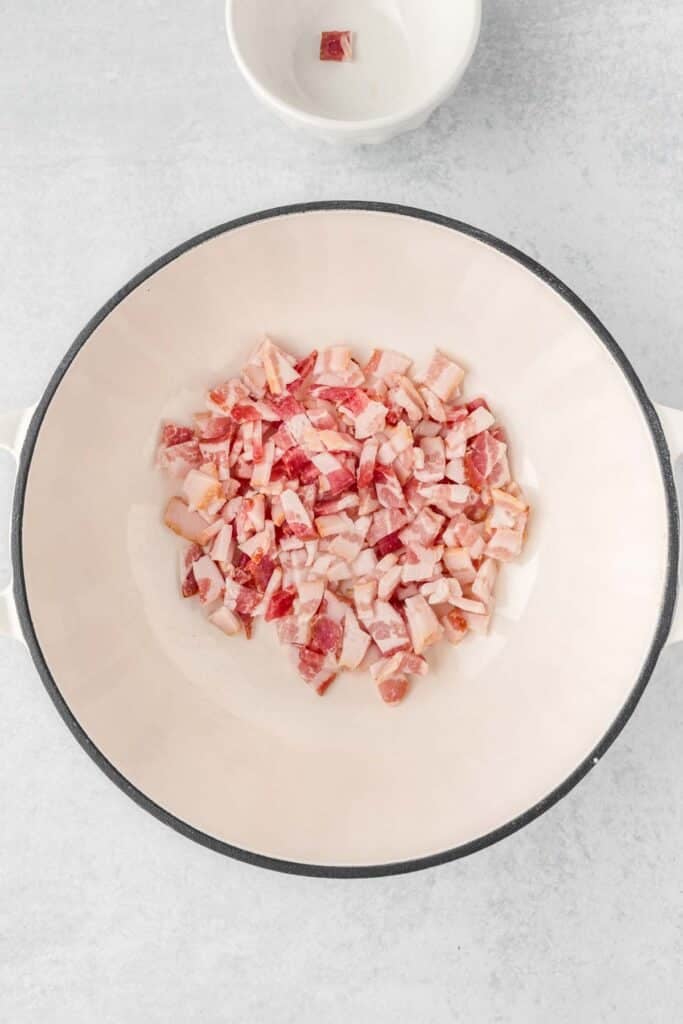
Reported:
(188, 584)
(336, 46)
(317, 669)
(355, 643)
(364, 512)
(185, 523)
(390, 542)
(209, 578)
(392, 691)
(388, 488)
(387, 628)
(486, 462)
(172, 434)
(326, 635)
(425, 628)
(280, 605)
(178, 459)
(443, 377)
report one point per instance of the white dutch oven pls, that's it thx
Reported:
(219, 737)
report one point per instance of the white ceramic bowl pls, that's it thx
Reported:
(408, 57)
(220, 738)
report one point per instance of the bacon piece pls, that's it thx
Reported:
(172, 434)
(384, 362)
(247, 601)
(462, 531)
(327, 526)
(384, 522)
(295, 462)
(455, 471)
(406, 396)
(210, 582)
(403, 662)
(443, 377)
(478, 420)
(388, 488)
(459, 564)
(434, 460)
(393, 690)
(262, 470)
(203, 492)
(366, 463)
(304, 367)
(292, 629)
(213, 428)
(310, 595)
(425, 629)
(226, 620)
(346, 546)
(336, 46)
(364, 594)
(420, 563)
(318, 670)
(280, 604)
(188, 584)
(448, 498)
(368, 416)
(326, 635)
(365, 563)
(433, 404)
(336, 441)
(398, 440)
(485, 580)
(222, 543)
(455, 626)
(390, 542)
(221, 400)
(355, 643)
(335, 359)
(505, 545)
(180, 458)
(279, 371)
(334, 478)
(424, 529)
(184, 522)
(486, 462)
(245, 413)
(387, 628)
(332, 505)
(296, 515)
(388, 581)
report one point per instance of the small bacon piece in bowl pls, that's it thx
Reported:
(335, 45)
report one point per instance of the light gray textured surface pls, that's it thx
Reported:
(125, 128)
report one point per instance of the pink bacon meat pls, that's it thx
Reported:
(364, 512)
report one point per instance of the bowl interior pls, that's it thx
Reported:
(222, 733)
(405, 52)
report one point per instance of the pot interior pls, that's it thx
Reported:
(222, 733)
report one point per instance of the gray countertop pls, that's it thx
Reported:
(124, 129)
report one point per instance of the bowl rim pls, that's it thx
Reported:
(349, 127)
(540, 807)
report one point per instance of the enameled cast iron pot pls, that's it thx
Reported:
(219, 738)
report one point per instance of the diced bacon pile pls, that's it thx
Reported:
(364, 511)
